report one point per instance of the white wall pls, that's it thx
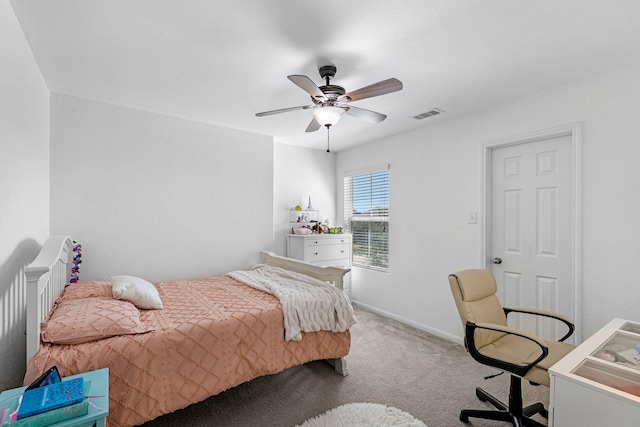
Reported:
(156, 196)
(24, 185)
(435, 179)
(300, 173)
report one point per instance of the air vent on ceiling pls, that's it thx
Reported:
(430, 113)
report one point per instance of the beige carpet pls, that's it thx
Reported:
(390, 364)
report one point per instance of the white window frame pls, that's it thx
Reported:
(376, 256)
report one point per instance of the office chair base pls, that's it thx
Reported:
(514, 413)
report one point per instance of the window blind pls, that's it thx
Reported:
(366, 216)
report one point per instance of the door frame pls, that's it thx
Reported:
(574, 130)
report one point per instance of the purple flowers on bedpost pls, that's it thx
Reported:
(77, 260)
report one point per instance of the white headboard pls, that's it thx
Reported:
(46, 277)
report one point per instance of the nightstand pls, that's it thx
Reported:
(98, 406)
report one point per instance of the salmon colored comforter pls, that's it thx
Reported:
(213, 334)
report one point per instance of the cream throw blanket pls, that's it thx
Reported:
(308, 304)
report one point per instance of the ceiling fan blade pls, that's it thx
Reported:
(284, 110)
(306, 84)
(367, 115)
(376, 89)
(313, 126)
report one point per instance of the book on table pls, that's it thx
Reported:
(50, 397)
(46, 418)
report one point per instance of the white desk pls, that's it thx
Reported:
(586, 389)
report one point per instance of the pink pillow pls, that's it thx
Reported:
(87, 290)
(78, 321)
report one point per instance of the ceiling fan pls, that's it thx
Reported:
(330, 102)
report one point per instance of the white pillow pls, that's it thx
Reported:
(137, 291)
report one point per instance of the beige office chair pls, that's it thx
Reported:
(492, 342)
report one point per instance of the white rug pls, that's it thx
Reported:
(363, 415)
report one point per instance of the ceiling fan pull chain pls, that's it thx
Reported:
(328, 139)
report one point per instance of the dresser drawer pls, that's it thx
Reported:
(327, 252)
(327, 240)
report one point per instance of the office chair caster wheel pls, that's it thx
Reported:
(463, 417)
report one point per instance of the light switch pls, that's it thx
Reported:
(472, 217)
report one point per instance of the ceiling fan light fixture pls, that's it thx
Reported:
(328, 115)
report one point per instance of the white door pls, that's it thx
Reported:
(532, 230)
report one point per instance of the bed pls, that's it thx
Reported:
(211, 334)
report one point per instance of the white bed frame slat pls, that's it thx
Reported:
(46, 277)
(48, 274)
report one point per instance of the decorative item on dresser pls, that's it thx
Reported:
(322, 249)
(299, 217)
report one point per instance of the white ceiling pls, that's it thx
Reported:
(222, 61)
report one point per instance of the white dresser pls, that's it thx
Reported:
(322, 249)
(587, 385)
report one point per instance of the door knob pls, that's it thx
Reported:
(496, 260)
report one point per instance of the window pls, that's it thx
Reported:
(366, 216)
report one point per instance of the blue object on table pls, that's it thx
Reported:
(98, 401)
(53, 396)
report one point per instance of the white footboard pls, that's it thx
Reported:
(333, 275)
(46, 277)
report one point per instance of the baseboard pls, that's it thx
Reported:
(411, 323)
